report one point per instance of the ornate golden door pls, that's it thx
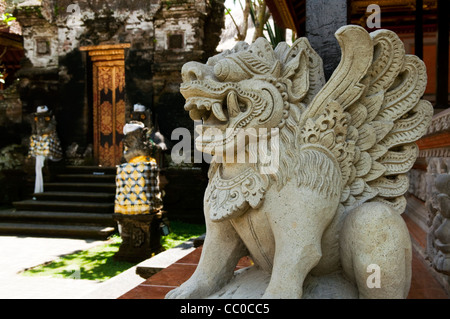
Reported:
(108, 74)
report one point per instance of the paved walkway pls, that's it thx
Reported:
(19, 253)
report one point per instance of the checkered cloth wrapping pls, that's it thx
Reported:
(47, 145)
(137, 188)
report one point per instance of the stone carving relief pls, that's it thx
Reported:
(418, 185)
(333, 202)
(440, 123)
(438, 206)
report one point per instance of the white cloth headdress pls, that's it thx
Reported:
(42, 109)
(138, 108)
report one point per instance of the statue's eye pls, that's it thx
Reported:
(142, 116)
(221, 70)
(228, 70)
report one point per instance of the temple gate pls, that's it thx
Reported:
(108, 81)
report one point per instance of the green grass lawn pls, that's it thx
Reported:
(97, 263)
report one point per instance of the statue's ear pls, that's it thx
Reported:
(296, 76)
(261, 59)
(145, 134)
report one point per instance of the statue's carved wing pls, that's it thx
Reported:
(368, 116)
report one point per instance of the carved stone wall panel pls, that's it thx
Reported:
(438, 237)
(430, 185)
(418, 184)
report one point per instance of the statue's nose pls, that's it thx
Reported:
(195, 71)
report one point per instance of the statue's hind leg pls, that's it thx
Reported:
(376, 251)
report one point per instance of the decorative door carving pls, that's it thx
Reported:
(108, 73)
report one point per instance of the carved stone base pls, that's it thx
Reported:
(251, 283)
(140, 236)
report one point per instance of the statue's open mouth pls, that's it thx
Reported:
(216, 112)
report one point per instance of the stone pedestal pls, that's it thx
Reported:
(140, 236)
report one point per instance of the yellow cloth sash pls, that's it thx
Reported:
(142, 158)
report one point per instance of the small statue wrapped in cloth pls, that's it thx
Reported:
(44, 143)
(158, 143)
(138, 202)
(137, 180)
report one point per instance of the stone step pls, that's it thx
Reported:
(50, 230)
(77, 202)
(94, 170)
(80, 187)
(75, 196)
(85, 178)
(49, 217)
(107, 208)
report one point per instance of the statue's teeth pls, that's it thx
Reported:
(195, 114)
(218, 112)
(233, 104)
(189, 106)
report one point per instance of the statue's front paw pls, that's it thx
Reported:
(177, 293)
(189, 290)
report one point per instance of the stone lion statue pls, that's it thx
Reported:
(326, 223)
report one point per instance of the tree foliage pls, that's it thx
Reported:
(260, 15)
(5, 21)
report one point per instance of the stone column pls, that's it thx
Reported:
(323, 18)
(442, 61)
